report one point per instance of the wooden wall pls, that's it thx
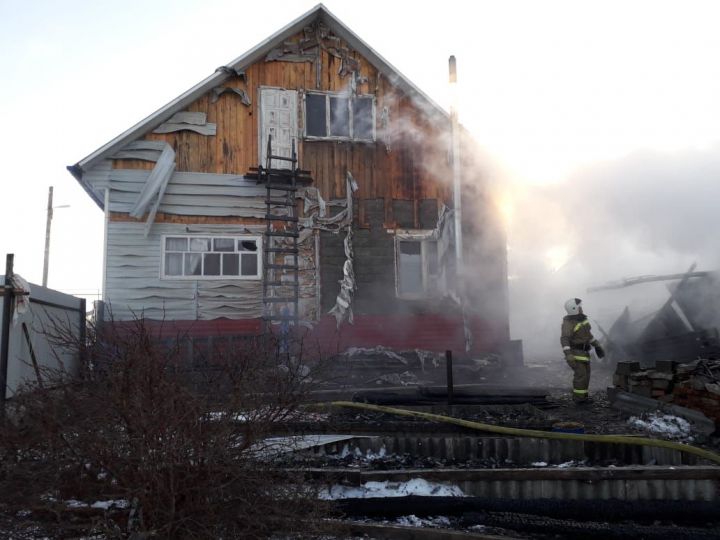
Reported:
(408, 161)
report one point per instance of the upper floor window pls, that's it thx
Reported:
(339, 116)
(211, 257)
(417, 266)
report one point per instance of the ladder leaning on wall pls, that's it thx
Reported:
(281, 282)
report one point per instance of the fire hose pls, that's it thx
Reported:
(535, 433)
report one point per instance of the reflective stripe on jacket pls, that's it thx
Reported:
(576, 337)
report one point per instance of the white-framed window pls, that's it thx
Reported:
(211, 257)
(417, 265)
(339, 116)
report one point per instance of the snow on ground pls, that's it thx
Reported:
(416, 486)
(665, 425)
(564, 465)
(104, 505)
(369, 455)
(430, 522)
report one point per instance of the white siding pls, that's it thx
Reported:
(134, 284)
(191, 194)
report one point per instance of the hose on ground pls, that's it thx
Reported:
(618, 439)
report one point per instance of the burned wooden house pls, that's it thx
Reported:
(306, 181)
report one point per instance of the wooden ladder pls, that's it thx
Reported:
(281, 282)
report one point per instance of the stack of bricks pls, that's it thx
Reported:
(695, 385)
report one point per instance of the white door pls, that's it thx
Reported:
(278, 117)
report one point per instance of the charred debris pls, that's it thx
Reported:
(670, 359)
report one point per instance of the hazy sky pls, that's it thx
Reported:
(602, 117)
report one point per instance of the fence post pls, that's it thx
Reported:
(449, 380)
(5, 330)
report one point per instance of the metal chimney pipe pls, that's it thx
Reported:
(455, 139)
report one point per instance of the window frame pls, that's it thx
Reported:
(351, 120)
(237, 237)
(423, 237)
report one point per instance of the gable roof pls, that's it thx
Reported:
(253, 55)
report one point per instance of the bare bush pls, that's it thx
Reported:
(180, 445)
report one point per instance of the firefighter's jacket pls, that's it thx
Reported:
(576, 337)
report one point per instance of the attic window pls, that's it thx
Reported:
(339, 117)
(211, 257)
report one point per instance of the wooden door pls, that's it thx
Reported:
(278, 117)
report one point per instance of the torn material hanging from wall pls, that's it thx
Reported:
(220, 90)
(20, 296)
(316, 206)
(445, 234)
(154, 187)
(188, 121)
(233, 71)
(342, 310)
(320, 220)
(316, 38)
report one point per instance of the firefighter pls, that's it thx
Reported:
(577, 340)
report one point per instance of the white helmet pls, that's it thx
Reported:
(573, 306)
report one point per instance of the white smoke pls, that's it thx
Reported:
(648, 213)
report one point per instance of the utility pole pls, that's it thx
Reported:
(47, 236)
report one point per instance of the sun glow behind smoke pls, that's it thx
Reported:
(506, 206)
(557, 257)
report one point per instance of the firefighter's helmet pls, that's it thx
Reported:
(573, 306)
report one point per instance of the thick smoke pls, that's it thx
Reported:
(648, 213)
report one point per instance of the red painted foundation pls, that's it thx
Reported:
(398, 332)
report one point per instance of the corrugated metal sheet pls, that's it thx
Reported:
(518, 451)
(40, 321)
(623, 489)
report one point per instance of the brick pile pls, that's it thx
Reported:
(695, 385)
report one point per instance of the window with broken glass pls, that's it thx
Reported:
(339, 117)
(211, 257)
(417, 267)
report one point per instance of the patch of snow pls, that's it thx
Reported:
(538, 464)
(379, 350)
(665, 425)
(104, 505)
(432, 522)
(416, 486)
(119, 503)
(571, 463)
